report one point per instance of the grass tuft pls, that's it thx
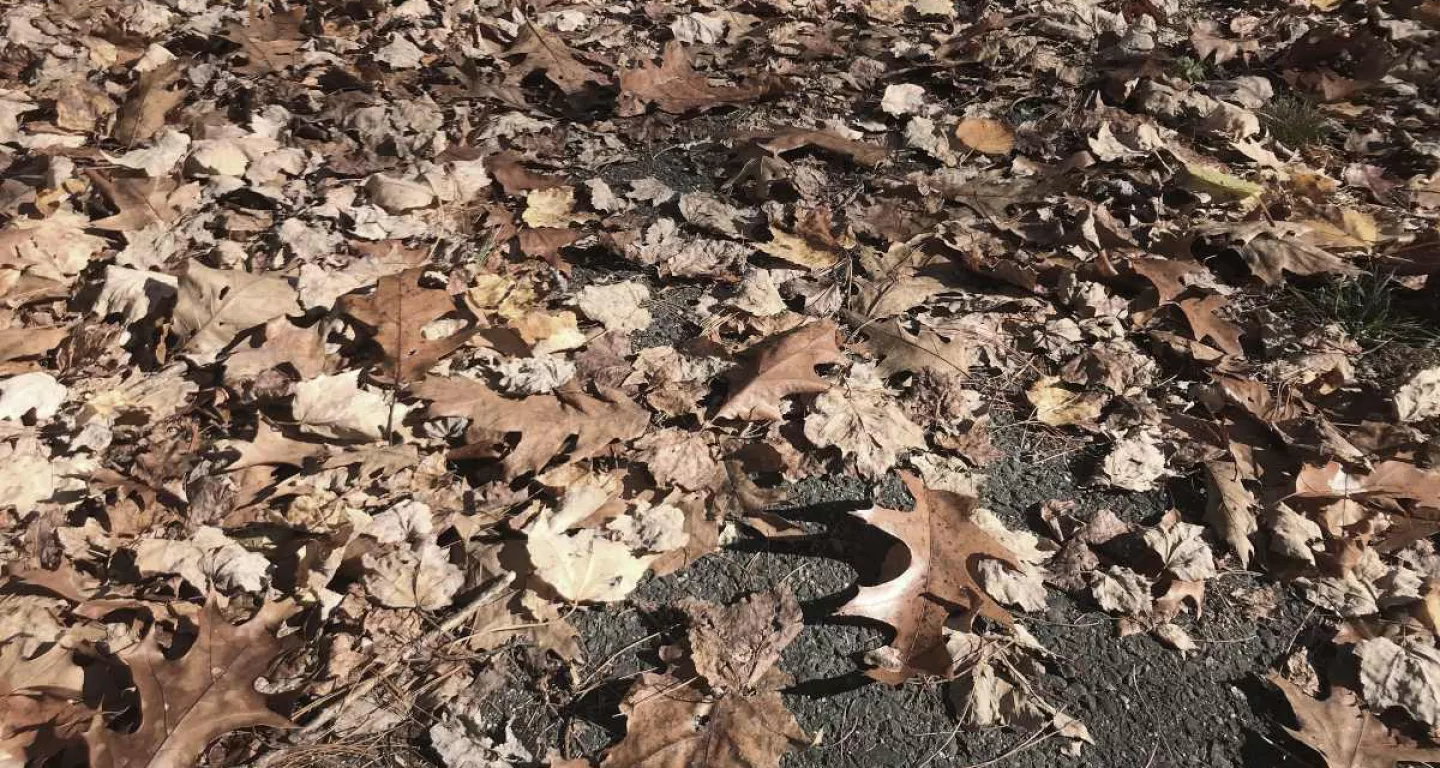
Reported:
(1296, 122)
(1368, 308)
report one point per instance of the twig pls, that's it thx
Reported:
(388, 661)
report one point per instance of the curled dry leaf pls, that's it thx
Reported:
(544, 52)
(868, 426)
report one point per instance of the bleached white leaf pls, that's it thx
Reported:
(36, 392)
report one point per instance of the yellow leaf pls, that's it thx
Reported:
(1220, 184)
(981, 134)
(1362, 226)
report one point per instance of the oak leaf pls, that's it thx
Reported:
(544, 52)
(933, 571)
(143, 113)
(1230, 507)
(270, 44)
(1346, 735)
(216, 305)
(1206, 323)
(778, 367)
(675, 87)
(397, 314)
(188, 702)
(544, 422)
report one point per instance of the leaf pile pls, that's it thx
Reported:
(402, 333)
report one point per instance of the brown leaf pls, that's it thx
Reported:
(216, 305)
(789, 139)
(140, 202)
(143, 113)
(1206, 323)
(778, 367)
(270, 447)
(1230, 507)
(933, 572)
(984, 135)
(675, 87)
(544, 422)
(900, 350)
(1167, 275)
(734, 647)
(545, 243)
(1345, 734)
(19, 343)
(516, 178)
(544, 52)
(672, 723)
(270, 44)
(188, 702)
(396, 315)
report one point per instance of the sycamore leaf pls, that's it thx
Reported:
(731, 714)
(336, 407)
(397, 314)
(544, 52)
(675, 87)
(216, 305)
(545, 423)
(419, 577)
(188, 702)
(734, 647)
(1401, 675)
(1346, 735)
(866, 425)
(934, 571)
(778, 367)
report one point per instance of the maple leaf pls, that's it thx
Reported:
(216, 305)
(675, 87)
(545, 422)
(865, 424)
(544, 52)
(933, 570)
(396, 315)
(778, 367)
(188, 702)
(1344, 734)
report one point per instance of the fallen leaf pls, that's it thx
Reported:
(187, 702)
(413, 577)
(778, 367)
(270, 43)
(1135, 462)
(928, 580)
(1059, 407)
(545, 423)
(215, 306)
(984, 135)
(1345, 735)
(1230, 508)
(1206, 323)
(544, 52)
(397, 313)
(789, 139)
(149, 101)
(336, 407)
(1419, 398)
(797, 250)
(617, 306)
(867, 425)
(1401, 675)
(675, 87)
